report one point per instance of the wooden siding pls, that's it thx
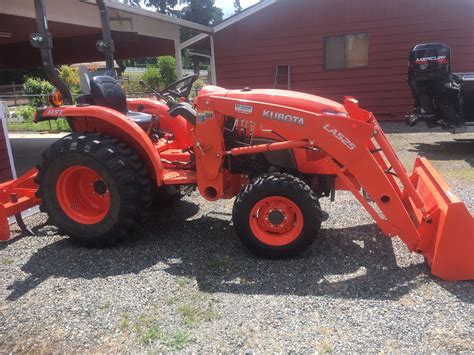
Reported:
(292, 32)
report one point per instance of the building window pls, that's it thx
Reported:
(346, 51)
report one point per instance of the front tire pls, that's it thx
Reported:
(93, 187)
(277, 216)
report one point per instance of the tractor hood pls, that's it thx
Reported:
(288, 98)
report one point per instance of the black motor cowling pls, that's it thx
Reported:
(429, 61)
(438, 93)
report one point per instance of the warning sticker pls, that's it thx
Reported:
(245, 109)
(205, 115)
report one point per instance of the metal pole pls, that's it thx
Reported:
(213, 62)
(179, 60)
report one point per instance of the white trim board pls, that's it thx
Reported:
(7, 138)
(230, 21)
(158, 16)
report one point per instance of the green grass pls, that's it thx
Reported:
(179, 340)
(461, 173)
(149, 331)
(193, 305)
(105, 306)
(7, 261)
(172, 300)
(59, 125)
(326, 349)
(150, 334)
(124, 321)
(197, 310)
(184, 281)
(189, 313)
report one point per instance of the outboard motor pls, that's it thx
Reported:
(441, 97)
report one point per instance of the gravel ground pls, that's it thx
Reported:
(185, 283)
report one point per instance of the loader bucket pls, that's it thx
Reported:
(446, 229)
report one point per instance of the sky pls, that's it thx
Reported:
(228, 5)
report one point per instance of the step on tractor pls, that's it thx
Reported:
(277, 152)
(442, 98)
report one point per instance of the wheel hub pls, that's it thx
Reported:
(100, 187)
(276, 217)
(82, 194)
(276, 220)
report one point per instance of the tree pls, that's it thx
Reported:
(203, 12)
(135, 3)
(237, 6)
(166, 7)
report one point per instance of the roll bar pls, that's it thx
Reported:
(106, 44)
(44, 42)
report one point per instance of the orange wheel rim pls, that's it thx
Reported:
(83, 195)
(276, 221)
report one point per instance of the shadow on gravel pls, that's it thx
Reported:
(350, 263)
(459, 149)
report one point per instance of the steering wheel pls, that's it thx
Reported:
(180, 88)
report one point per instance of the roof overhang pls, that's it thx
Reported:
(230, 21)
(158, 16)
(75, 27)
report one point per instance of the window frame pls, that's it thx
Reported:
(325, 41)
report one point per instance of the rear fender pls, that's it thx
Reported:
(104, 120)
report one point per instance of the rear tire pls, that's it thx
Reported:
(277, 216)
(93, 187)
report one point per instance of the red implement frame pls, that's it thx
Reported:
(16, 196)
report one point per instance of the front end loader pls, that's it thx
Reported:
(277, 152)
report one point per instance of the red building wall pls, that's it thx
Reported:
(292, 32)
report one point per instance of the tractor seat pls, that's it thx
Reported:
(107, 92)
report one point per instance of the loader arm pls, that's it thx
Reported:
(357, 149)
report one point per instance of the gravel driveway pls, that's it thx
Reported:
(185, 283)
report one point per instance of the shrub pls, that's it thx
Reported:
(152, 77)
(39, 88)
(132, 88)
(25, 112)
(71, 77)
(167, 68)
(197, 86)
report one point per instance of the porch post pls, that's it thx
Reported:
(179, 61)
(213, 62)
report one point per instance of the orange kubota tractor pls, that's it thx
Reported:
(276, 151)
